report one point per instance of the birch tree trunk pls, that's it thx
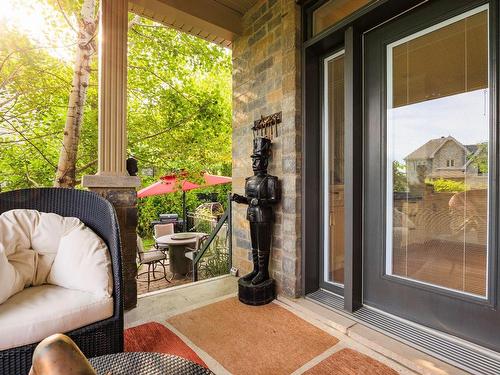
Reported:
(66, 167)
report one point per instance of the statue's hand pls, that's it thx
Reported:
(254, 202)
(238, 198)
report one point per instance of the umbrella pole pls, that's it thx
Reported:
(184, 210)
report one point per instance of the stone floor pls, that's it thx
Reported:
(161, 305)
(142, 285)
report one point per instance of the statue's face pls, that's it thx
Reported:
(259, 163)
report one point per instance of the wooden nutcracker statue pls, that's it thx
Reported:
(262, 191)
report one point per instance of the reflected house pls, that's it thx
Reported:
(438, 226)
(446, 158)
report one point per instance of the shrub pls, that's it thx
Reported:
(451, 186)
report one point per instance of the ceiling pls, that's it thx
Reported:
(217, 21)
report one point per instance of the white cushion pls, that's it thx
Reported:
(17, 264)
(12, 279)
(45, 241)
(29, 242)
(83, 263)
(38, 312)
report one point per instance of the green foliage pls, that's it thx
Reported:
(179, 101)
(480, 158)
(214, 263)
(451, 186)
(34, 94)
(150, 208)
(179, 108)
(34, 91)
(399, 177)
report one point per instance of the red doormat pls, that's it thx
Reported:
(250, 340)
(350, 362)
(155, 337)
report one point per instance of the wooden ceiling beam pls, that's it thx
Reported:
(208, 15)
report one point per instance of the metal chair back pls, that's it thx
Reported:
(140, 249)
(163, 229)
(200, 241)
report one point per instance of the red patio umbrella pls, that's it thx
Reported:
(174, 183)
(166, 185)
(211, 180)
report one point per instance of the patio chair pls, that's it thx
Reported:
(191, 254)
(162, 230)
(95, 339)
(152, 259)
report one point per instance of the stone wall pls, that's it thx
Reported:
(124, 200)
(449, 151)
(266, 79)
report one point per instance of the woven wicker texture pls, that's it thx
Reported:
(106, 336)
(142, 363)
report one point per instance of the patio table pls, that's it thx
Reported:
(179, 264)
(145, 363)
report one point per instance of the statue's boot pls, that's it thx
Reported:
(255, 258)
(263, 274)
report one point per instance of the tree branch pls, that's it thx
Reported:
(184, 120)
(31, 143)
(86, 166)
(7, 101)
(27, 174)
(134, 21)
(163, 80)
(66, 17)
(46, 71)
(31, 138)
(11, 75)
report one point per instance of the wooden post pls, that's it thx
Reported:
(113, 87)
(112, 180)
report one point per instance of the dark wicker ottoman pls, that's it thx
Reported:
(144, 363)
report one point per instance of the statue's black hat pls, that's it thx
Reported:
(261, 147)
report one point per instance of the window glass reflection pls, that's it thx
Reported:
(334, 11)
(437, 151)
(334, 136)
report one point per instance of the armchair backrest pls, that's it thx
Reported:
(93, 210)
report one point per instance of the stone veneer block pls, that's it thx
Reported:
(121, 192)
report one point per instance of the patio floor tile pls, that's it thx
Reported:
(253, 340)
(350, 362)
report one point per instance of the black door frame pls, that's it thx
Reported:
(439, 308)
(349, 35)
(335, 288)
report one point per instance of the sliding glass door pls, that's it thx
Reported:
(430, 168)
(437, 155)
(333, 172)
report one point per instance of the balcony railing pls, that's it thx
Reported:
(214, 256)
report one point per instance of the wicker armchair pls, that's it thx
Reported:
(103, 337)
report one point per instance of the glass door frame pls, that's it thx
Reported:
(388, 180)
(436, 307)
(347, 34)
(334, 287)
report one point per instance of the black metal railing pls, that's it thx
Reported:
(219, 259)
